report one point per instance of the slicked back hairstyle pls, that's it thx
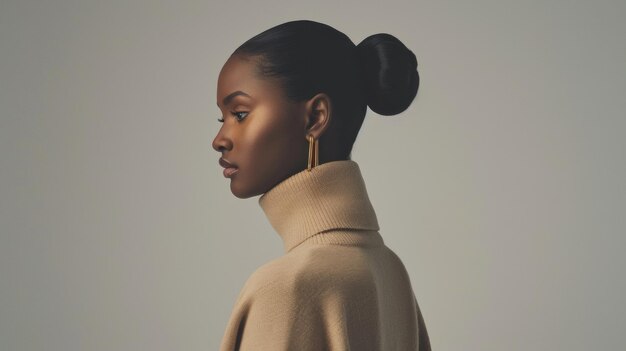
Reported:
(308, 57)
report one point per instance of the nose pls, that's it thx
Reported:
(222, 143)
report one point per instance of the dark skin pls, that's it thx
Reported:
(264, 135)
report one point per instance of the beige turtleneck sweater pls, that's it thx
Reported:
(338, 287)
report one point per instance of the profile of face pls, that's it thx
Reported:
(263, 133)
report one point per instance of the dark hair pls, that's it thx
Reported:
(309, 57)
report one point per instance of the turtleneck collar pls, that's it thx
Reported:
(332, 197)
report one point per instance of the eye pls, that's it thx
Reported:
(237, 115)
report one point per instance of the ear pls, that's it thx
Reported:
(318, 110)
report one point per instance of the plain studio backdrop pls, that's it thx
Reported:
(119, 232)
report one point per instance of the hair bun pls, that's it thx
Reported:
(389, 71)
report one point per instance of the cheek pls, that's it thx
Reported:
(270, 131)
(271, 144)
(269, 138)
(270, 147)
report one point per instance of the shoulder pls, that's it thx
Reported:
(316, 270)
(296, 301)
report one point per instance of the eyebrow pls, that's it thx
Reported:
(230, 96)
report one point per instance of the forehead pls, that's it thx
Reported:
(239, 74)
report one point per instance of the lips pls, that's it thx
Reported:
(229, 168)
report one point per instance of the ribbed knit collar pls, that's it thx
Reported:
(332, 197)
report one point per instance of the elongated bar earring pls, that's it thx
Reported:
(313, 152)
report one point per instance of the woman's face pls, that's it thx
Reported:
(263, 134)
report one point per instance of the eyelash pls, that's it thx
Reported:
(235, 113)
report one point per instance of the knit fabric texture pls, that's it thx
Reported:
(337, 287)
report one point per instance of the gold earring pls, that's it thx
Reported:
(313, 152)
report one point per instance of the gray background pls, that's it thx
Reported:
(501, 187)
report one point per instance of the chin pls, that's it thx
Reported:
(242, 192)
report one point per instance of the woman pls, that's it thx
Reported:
(293, 99)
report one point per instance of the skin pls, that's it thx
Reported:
(266, 138)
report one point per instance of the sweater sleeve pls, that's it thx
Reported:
(285, 317)
(424, 339)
